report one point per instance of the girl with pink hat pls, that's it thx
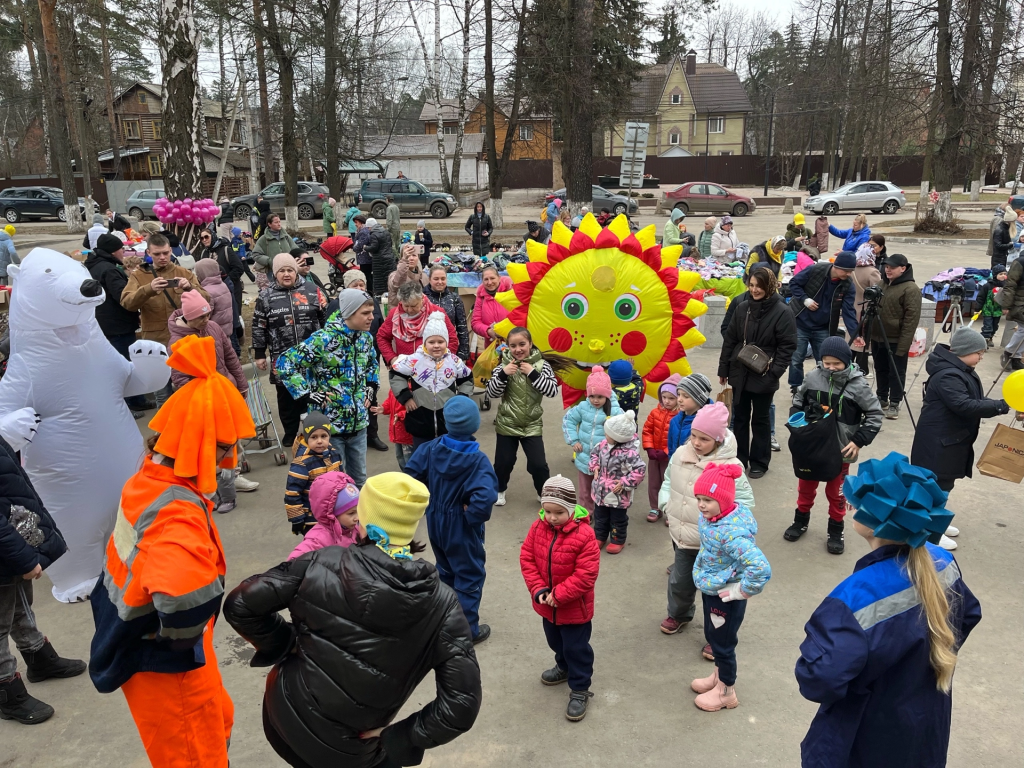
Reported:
(583, 428)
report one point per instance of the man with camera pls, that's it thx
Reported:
(895, 304)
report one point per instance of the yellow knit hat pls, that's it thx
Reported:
(10, 230)
(394, 502)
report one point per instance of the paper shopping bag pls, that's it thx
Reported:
(1003, 457)
(725, 397)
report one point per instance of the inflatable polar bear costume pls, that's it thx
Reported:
(62, 405)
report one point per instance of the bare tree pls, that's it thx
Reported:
(182, 106)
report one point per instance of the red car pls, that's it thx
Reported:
(705, 197)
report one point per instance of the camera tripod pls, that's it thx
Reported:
(872, 322)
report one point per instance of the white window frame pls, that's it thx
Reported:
(716, 124)
(674, 139)
(450, 130)
(725, 153)
(677, 98)
(526, 131)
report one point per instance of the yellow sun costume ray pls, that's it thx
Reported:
(599, 295)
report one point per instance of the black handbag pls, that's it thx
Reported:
(752, 356)
(815, 448)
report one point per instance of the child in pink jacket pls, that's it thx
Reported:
(618, 469)
(332, 499)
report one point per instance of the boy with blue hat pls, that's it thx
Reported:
(627, 385)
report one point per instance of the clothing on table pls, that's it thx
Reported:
(306, 467)
(682, 592)
(753, 430)
(351, 447)
(611, 521)
(807, 489)
(890, 383)
(573, 652)
(291, 410)
(17, 622)
(723, 637)
(506, 450)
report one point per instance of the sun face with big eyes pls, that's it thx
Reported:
(600, 295)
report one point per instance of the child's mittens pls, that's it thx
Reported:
(732, 592)
(656, 454)
(299, 526)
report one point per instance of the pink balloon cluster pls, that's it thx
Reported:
(187, 211)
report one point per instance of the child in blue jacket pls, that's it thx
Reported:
(729, 569)
(583, 428)
(463, 488)
(881, 648)
(694, 392)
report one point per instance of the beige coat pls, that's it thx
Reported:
(153, 307)
(676, 498)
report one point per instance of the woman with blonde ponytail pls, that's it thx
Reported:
(881, 648)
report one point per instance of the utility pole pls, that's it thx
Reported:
(771, 124)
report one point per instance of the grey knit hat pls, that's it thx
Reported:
(967, 341)
(559, 490)
(697, 386)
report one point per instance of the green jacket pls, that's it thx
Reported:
(521, 409)
(671, 234)
(269, 245)
(393, 219)
(900, 312)
(328, 211)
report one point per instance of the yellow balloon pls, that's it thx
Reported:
(1013, 390)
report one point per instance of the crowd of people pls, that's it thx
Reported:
(343, 667)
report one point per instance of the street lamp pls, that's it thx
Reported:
(771, 121)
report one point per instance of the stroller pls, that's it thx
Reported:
(259, 409)
(331, 249)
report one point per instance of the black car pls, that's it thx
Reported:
(19, 203)
(312, 197)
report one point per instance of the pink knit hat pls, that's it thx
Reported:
(718, 481)
(670, 384)
(713, 421)
(598, 383)
(193, 305)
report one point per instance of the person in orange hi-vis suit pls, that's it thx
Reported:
(163, 577)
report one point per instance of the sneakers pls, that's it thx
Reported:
(719, 697)
(775, 445)
(601, 543)
(799, 526)
(893, 412)
(483, 631)
(884, 403)
(46, 663)
(835, 543)
(952, 531)
(245, 485)
(705, 684)
(989, 342)
(501, 499)
(554, 676)
(653, 516)
(224, 507)
(707, 653)
(577, 708)
(672, 627)
(614, 548)
(756, 474)
(947, 543)
(16, 704)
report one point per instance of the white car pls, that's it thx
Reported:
(874, 196)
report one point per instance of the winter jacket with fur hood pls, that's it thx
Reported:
(328, 531)
(676, 498)
(614, 463)
(858, 411)
(564, 561)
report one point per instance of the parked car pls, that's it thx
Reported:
(410, 196)
(874, 196)
(19, 203)
(706, 197)
(311, 200)
(602, 198)
(140, 203)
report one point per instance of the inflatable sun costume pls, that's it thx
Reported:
(599, 295)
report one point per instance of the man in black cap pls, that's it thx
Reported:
(899, 311)
(117, 323)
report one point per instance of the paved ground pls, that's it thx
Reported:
(642, 711)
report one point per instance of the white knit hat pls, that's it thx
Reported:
(436, 326)
(621, 428)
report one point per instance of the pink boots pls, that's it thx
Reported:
(714, 695)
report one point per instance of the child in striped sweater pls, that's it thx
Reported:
(313, 455)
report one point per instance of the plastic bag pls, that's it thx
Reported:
(485, 365)
(917, 346)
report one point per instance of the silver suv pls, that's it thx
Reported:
(874, 196)
(140, 203)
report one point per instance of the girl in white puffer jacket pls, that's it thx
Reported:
(710, 441)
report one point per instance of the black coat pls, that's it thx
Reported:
(382, 258)
(230, 265)
(365, 630)
(1002, 242)
(773, 329)
(425, 239)
(954, 405)
(17, 556)
(114, 319)
(475, 227)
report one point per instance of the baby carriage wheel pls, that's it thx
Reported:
(280, 459)
(244, 467)
(265, 443)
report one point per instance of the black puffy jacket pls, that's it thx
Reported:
(954, 405)
(382, 258)
(114, 319)
(221, 250)
(772, 328)
(17, 556)
(475, 228)
(365, 630)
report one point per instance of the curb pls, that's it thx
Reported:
(931, 241)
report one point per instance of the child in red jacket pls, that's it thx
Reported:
(560, 560)
(397, 433)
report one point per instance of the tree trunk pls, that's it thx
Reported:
(289, 147)
(266, 139)
(59, 141)
(460, 130)
(108, 88)
(183, 159)
(433, 69)
(227, 144)
(76, 102)
(579, 136)
(333, 172)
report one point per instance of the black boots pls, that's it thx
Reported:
(16, 704)
(483, 631)
(577, 708)
(799, 526)
(554, 676)
(835, 543)
(45, 663)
